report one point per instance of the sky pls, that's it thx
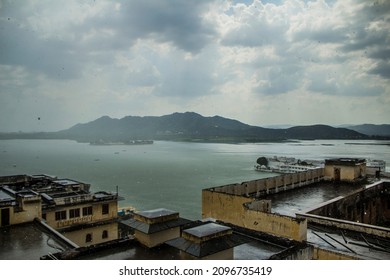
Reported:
(260, 62)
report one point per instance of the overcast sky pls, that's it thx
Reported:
(260, 62)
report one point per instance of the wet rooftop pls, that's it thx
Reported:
(26, 242)
(358, 245)
(66, 182)
(5, 196)
(208, 229)
(248, 248)
(302, 199)
(155, 227)
(157, 213)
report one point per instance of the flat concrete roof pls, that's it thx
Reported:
(149, 228)
(305, 198)
(205, 230)
(156, 213)
(345, 161)
(66, 182)
(357, 245)
(5, 196)
(26, 242)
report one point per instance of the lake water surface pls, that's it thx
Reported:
(166, 174)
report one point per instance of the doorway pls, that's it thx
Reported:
(4, 217)
(336, 175)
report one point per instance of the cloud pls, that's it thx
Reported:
(52, 57)
(232, 58)
(382, 69)
(177, 22)
(254, 25)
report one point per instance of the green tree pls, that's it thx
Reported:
(262, 161)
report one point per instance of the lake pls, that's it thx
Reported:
(166, 174)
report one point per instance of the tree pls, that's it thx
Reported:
(262, 161)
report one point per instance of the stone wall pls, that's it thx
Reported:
(233, 209)
(273, 184)
(366, 210)
(323, 254)
(238, 204)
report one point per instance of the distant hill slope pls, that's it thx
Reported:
(322, 132)
(191, 126)
(372, 129)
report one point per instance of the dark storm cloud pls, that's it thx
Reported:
(255, 31)
(96, 38)
(281, 79)
(23, 46)
(154, 57)
(175, 21)
(321, 36)
(362, 39)
(382, 69)
(370, 32)
(381, 54)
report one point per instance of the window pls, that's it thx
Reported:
(74, 213)
(87, 211)
(44, 216)
(60, 215)
(88, 238)
(104, 234)
(105, 209)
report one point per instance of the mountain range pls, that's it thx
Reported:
(372, 129)
(191, 126)
(188, 126)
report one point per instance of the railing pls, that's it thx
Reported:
(74, 221)
(73, 199)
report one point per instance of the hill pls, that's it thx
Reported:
(187, 126)
(372, 129)
(191, 126)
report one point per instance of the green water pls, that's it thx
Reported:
(164, 174)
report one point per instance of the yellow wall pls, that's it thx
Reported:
(154, 239)
(347, 173)
(323, 254)
(273, 184)
(227, 254)
(30, 211)
(79, 236)
(231, 209)
(96, 214)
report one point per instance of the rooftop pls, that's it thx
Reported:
(345, 161)
(155, 227)
(4, 196)
(361, 246)
(66, 182)
(27, 242)
(207, 230)
(249, 245)
(157, 213)
(305, 198)
(156, 216)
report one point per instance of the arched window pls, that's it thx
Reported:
(104, 234)
(88, 237)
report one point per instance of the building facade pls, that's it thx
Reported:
(345, 170)
(65, 205)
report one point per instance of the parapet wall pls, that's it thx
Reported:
(14, 179)
(366, 211)
(233, 209)
(238, 204)
(273, 184)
